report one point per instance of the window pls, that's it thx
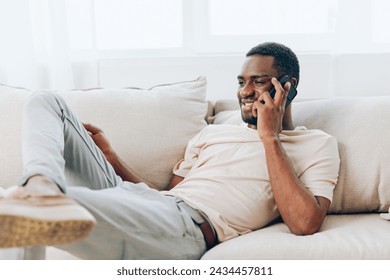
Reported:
(380, 21)
(264, 17)
(118, 28)
(232, 26)
(125, 25)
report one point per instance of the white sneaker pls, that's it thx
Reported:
(41, 220)
(386, 216)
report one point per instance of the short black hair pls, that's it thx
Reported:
(286, 61)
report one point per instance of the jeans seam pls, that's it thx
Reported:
(64, 116)
(92, 152)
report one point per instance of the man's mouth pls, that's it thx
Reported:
(247, 113)
(246, 103)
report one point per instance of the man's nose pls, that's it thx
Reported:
(247, 90)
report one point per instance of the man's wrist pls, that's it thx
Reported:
(269, 139)
(111, 157)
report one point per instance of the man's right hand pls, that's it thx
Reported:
(120, 167)
(100, 139)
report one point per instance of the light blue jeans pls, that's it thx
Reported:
(133, 220)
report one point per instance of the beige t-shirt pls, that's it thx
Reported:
(226, 176)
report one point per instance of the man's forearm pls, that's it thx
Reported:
(300, 210)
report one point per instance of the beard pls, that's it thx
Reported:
(249, 119)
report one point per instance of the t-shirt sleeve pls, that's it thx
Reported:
(190, 156)
(321, 174)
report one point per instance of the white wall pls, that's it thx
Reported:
(322, 75)
(221, 72)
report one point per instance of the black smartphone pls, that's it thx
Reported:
(291, 94)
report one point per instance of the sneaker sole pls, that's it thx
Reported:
(27, 225)
(17, 231)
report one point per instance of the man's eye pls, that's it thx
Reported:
(241, 83)
(259, 83)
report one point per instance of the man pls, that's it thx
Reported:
(232, 180)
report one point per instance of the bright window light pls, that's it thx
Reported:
(123, 24)
(79, 19)
(252, 17)
(138, 24)
(113, 28)
(380, 21)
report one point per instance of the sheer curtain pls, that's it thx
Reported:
(59, 44)
(34, 46)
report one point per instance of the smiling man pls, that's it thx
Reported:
(231, 181)
(302, 204)
(252, 174)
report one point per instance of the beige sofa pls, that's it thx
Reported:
(150, 129)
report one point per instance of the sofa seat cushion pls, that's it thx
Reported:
(352, 236)
(11, 254)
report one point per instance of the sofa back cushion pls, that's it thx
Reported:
(362, 128)
(149, 128)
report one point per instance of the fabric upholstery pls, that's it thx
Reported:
(149, 128)
(166, 117)
(341, 237)
(361, 126)
(11, 102)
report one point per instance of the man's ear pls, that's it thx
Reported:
(294, 81)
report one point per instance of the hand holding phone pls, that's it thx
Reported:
(291, 94)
